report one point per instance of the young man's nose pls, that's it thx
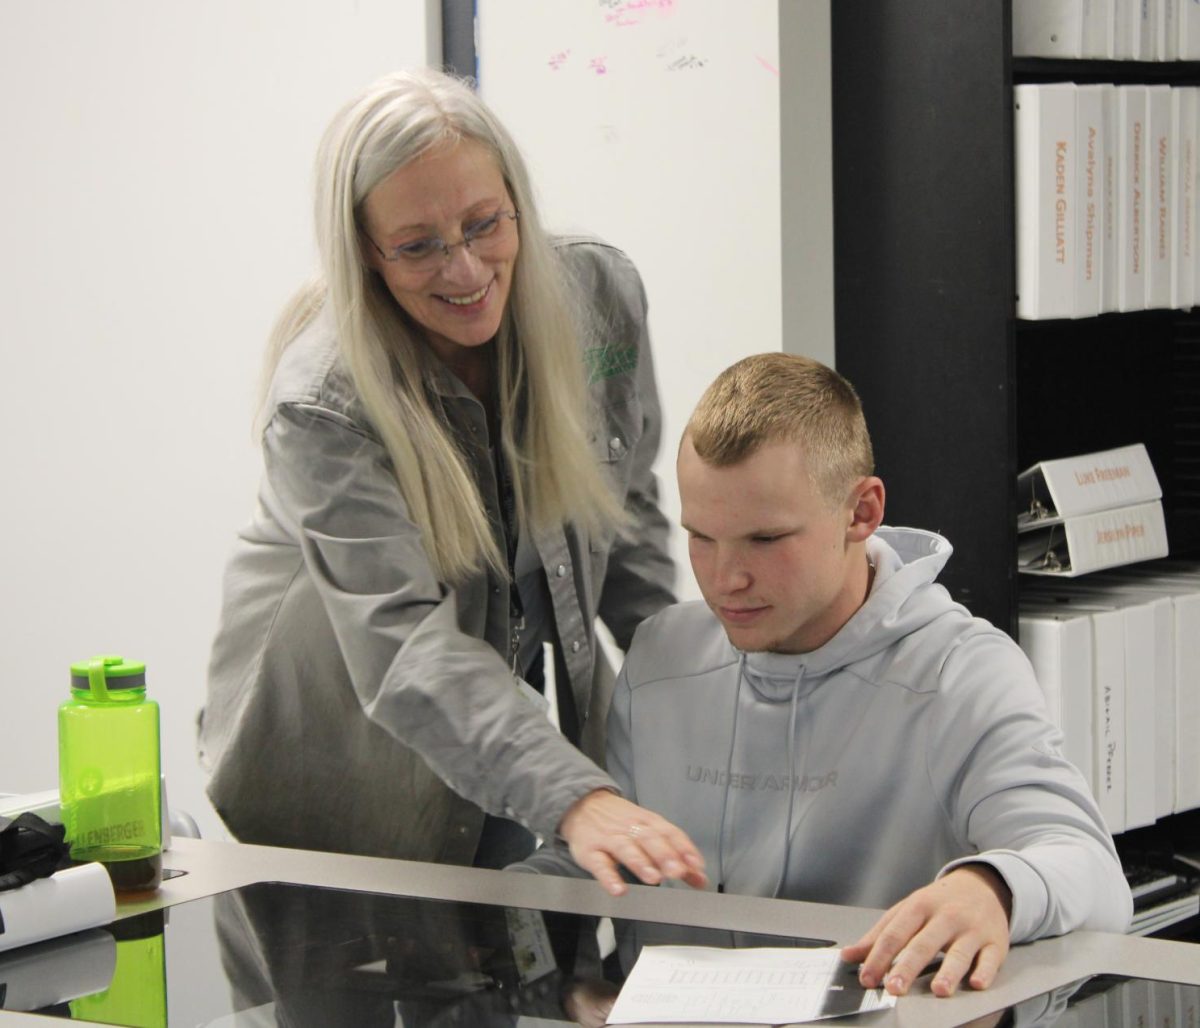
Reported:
(731, 572)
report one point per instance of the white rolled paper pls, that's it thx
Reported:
(68, 901)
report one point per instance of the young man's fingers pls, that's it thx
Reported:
(858, 952)
(955, 965)
(987, 965)
(908, 955)
(893, 934)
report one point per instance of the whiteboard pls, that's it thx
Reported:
(655, 125)
(156, 204)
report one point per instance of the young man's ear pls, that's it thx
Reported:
(866, 509)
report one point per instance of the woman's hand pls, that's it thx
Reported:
(604, 830)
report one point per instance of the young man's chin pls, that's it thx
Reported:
(749, 640)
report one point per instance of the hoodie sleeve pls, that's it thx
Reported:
(1015, 802)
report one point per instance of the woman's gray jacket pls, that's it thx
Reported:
(355, 702)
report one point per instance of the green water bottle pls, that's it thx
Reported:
(108, 771)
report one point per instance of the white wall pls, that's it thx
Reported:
(154, 216)
(155, 212)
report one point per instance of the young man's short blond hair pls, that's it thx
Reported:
(781, 397)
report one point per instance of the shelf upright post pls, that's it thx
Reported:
(924, 273)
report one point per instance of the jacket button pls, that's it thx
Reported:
(561, 570)
(615, 444)
(575, 646)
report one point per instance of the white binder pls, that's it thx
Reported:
(1167, 30)
(1091, 542)
(1047, 28)
(1189, 31)
(1180, 580)
(1109, 268)
(1132, 237)
(1053, 490)
(1099, 23)
(1165, 747)
(1159, 173)
(1089, 188)
(1127, 30)
(1046, 205)
(1183, 131)
(1146, 622)
(1058, 643)
(1089, 512)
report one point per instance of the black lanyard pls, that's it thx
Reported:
(508, 514)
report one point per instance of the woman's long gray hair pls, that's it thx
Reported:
(541, 391)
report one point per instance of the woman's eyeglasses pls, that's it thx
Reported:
(482, 237)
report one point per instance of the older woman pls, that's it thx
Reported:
(457, 436)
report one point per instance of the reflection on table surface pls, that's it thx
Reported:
(1103, 1001)
(296, 955)
(277, 954)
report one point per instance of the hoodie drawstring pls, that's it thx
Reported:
(791, 747)
(728, 775)
(787, 831)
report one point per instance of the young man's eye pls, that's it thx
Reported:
(766, 538)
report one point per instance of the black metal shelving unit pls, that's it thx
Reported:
(960, 395)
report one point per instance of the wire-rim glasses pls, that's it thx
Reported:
(481, 237)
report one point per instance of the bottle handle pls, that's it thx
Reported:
(96, 679)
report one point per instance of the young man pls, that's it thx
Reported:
(829, 725)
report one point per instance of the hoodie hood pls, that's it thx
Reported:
(904, 598)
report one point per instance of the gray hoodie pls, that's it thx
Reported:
(914, 740)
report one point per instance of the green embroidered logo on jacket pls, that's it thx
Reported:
(606, 361)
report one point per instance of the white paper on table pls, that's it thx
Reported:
(759, 985)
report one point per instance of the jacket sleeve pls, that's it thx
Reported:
(640, 578)
(1015, 802)
(447, 695)
(555, 858)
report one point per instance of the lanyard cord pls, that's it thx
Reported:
(508, 514)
